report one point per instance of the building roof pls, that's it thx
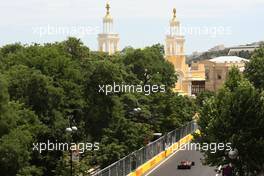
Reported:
(244, 46)
(228, 59)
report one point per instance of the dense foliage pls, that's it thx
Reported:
(236, 115)
(41, 86)
(254, 69)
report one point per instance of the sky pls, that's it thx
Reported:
(140, 23)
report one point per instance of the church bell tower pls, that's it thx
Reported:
(108, 41)
(174, 44)
(175, 54)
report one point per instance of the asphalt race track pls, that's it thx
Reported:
(169, 167)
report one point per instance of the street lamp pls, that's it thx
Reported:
(74, 128)
(157, 134)
(70, 130)
(233, 154)
(137, 109)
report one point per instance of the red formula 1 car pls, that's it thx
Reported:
(186, 164)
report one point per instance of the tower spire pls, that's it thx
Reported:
(174, 40)
(108, 41)
(174, 12)
(107, 8)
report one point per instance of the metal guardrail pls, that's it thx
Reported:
(129, 163)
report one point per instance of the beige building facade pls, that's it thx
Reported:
(216, 70)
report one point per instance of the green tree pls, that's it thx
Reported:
(235, 116)
(203, 96)
(4, 115)
(76, 48)
(34, 89)
(254, 69)
(19, 127)
(11, 49)
(170, 111)
(150, 67)
(41, 85)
